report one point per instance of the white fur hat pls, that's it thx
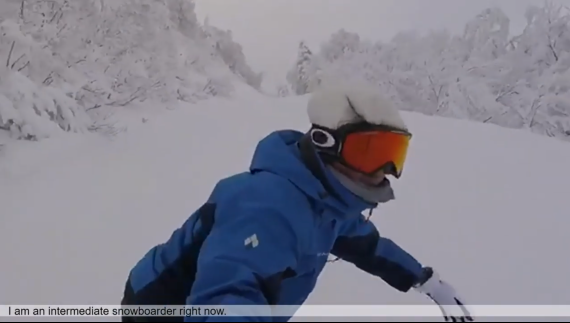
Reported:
(330, 106)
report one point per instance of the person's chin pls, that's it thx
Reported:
(374, 183)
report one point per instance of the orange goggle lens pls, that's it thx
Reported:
(369, 151)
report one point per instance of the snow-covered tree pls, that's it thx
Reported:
(73, 61)
(232, 54)
(483, 74)
(300, 74)
(340, 44)
(486, 37)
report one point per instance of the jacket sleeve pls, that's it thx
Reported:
(244, 259)
(361, 244)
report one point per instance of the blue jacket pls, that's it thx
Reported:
(263, 237)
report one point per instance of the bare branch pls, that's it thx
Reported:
(133, 97)
(79, 61)
(25, 65)
(130, 100)
(96, 106)
(60, 17)
(533, 110)
(553, 51)
(53, 17)
(48, 79)
(22, 10)
(10, 54)
(437, 93)
(86, 88)
(61, 29)
(16, 61)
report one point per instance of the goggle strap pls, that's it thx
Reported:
(310, 159)
(326, 140)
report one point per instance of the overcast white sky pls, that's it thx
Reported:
(270, 30)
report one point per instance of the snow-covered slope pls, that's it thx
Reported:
(488, 207)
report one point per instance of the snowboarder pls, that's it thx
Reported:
(263, 236)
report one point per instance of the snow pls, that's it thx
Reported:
(486, 206)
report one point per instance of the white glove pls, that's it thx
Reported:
(443, 294)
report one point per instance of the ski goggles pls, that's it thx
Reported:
(365, 148)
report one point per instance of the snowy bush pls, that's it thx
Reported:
(34, 112)
(76, 57)
(483, 75)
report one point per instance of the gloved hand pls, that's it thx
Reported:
(444, 295)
